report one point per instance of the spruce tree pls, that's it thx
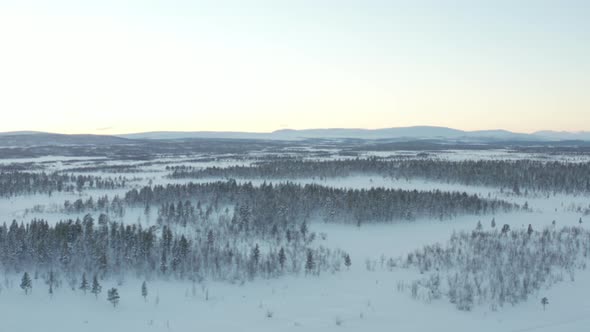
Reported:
(282, 258)
(163, 262)
(256, 254)
(84, 285)
(113, 296)
(51, 281)
(347, 261)
(144, 291)
(96, 287)
(309, 264)
(26, 284)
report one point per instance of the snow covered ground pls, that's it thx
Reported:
(352, 300)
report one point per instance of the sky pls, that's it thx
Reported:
(117, 66)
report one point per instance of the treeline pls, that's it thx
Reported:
(124, 168)
(19, 183)
(112, 250)
(289, 203)
(516, 175)
(114, 206)
(499, 266)
(184, 213)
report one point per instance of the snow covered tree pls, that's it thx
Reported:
(309, 263)
(347, 261)
(51, 281)
(84, 286)
(163, 262)
(144, 291)
(113, 296)
(26, 284)
(96, 287)
(282, 258)
(256, 254)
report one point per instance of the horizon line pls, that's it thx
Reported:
(292, 129)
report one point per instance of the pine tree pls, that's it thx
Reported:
(530, 230)
(347, 261)
(493, 222)
(256, 254)
(163, 262)
(84, 285)
(96, 287)
(103, 264)
(51, 282)
(144, 291)
(309, 264)
(282, 258)
(26, 284)
(113, 296)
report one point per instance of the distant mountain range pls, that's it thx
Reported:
(29, 138)
(32, 138)
(416, 132)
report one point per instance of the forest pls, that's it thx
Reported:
(219, 250)
(516, 175)
(28, 183)
(291, 203)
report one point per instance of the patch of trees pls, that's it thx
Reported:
(114, 206)
(498, 267)
(123, 168)
(516, 175)
(183, 213)
(288, 203)
(20, 167)
(73, 249)
(23, 183)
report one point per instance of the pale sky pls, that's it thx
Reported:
(116, 66)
